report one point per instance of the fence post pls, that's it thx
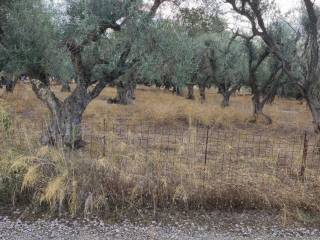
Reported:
(206, 149)
(205, 158)
(304, 155)
(104, 138)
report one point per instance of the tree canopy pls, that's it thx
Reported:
(125, 43)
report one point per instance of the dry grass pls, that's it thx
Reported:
(129, 177)
(164, 108)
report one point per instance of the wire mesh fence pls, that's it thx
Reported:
(216, 152)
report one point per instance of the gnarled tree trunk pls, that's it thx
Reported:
(202, 90)
(258, 114)
(176, 90)
(131, 91)
(2, 81)
(8, 81)
(124, 95)
(167, 85)
(226, 100)
(190, 88)
(64, 126)
(314, 107)
(226, 92)
(65, 87)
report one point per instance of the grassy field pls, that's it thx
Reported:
(126, 173)
(163, 107)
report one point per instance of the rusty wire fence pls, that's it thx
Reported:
(223, 153)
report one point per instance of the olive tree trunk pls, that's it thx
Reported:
(258, 114)
(190, 88)
(202, 90)
(8, 81)
(131, 91)
(65, 87)
(64, 126)
(226, 100)
(125, 93)
(167, 85)
(176, 90)
(314, 107)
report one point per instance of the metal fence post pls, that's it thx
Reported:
(104, 138)
(304, 155)
(206, 148)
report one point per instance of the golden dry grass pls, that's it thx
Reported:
(130, 177)
(164, 108)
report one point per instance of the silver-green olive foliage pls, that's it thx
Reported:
(35, 36)
(31, 41)
(231, 65)
(171, 54)
(201, 20)
(101, 39)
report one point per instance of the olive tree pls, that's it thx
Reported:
(99, 38)
(200, 22)
(7, 79)
(254, 11)
(171, 62)
(263, 76)
(230, 64)
(125, 86)
(205, 67)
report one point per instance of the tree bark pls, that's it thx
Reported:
(65, 87)
(131, 91)
(315, 111)
(1, 81)
(8, 81)
(226, 100)
(313, 105)
(65, 117)
(258, 114)
(124, 95)
(65, 128)
(226, 92)
(176, 90)
(202, 90)
(167, 85)
(190, 91)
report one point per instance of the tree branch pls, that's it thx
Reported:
(102, 28)
(271, 93)
(254, 15)
(109, 77)
(76, 59)
(44, 93)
